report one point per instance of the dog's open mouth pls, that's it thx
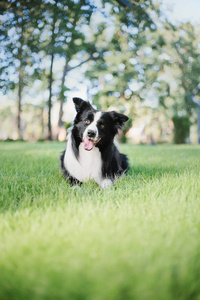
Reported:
(89, 144)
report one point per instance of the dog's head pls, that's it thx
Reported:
(94, 127)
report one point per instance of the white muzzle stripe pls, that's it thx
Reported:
(93, 125)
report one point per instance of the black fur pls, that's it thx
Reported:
(114, 163)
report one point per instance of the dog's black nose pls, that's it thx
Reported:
(91, 133)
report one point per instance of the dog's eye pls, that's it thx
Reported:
(102, 126)
(87, 121)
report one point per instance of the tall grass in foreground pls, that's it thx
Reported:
(139, 239)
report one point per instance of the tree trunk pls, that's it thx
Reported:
(60, 123)
(19, 109)
(198, 124)
(49, 137)
(195, 100)
(62, 96)
(42, 122)
(20, 84)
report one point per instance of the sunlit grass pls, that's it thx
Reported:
(139, 239)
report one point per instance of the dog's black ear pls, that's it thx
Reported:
(80, 104)
(119, 119)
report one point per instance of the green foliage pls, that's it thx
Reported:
(136, 240)
(175, 59)
(181, 129)
(159, 67)
(112, 76)
(129, 55)
(68, 125)
(19, 37)
(127, 126)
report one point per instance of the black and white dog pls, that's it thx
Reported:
(91, 152)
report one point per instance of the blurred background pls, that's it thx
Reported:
(139, 57)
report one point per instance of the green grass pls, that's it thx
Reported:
(139, 239)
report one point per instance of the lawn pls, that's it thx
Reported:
(139, 239)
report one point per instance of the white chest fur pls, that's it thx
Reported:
(88, 166)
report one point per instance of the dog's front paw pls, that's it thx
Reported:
(106, 183)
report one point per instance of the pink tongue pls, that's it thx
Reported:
(88, 144)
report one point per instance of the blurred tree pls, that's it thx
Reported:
(51, 50)
(173, 68)
(128, 59)
(32, 31)
(160, 67)
(116, 76)
(74, 18)
(181, 128)
(196, 99)
(18, 36)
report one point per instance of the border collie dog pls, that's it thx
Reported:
(90, 150)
